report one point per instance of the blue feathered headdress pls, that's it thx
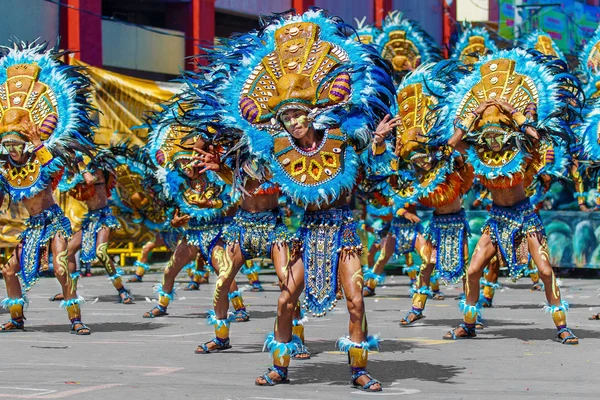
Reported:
(462, 47)
(426, 48)
(589, 64)
(358, 83)
(542, 42)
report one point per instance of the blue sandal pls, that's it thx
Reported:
(78, 331)
(221, 345)
(367, 386)
(303, 351)
(282, 372)
(470, 333)
(192, 286)
(127, 299)
(241, 315)
(418, 314)
(162, 312)
(570, 337)
(368, 292)
(13, 325)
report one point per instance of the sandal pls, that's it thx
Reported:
(221, 345)
(595, 317)
(282, 372)
(13, 325)
(125, 296)
(79, 328)
(257, 287)
(537, 287)
(241, 315)
(469, 333)
(418, 315)
(162, 311)
(302, 354)
(565, 340)
(484, 302)
(479, 325)
(438, 296)
(368, 292)
(367, 386)
(192, 286)
(135, 279)
(57, 297)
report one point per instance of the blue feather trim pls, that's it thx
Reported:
(487, 283)
(68, 303)
(344, 344)
(282, 349)
(531, 40)
(468, 309)
(255, 268)
(469, 32)
(211, 319)
(422, 290)
(138, 263)
(233, 295)
(8, 302)
(550, 309)
(370, 274)
(158, 288)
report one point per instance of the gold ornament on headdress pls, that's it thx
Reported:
(133, 194)
(476, 46)
(544, 46)
(23, 98)
(289, 76)
(499, 81)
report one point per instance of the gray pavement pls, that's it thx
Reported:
(128, 357)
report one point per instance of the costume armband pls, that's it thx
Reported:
(519, 118)
(378, 149)
(43, 155)
(466, 123)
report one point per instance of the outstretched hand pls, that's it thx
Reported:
(207, 160)
(411, 217)
(31, 133)
(385, 127)
(179, 221)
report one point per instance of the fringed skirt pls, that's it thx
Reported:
(35, 242)
(508, 228)
(256, 232)
(93, 222)
(448, 233)
(405, 232)
(322, 236)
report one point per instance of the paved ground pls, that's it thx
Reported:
(128, 357)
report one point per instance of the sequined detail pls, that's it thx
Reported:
(508, 228)
(405, 233)
(319, 240)
(93, 222)
(447, 234)
(171, 238)
(41, 229)
(205, 234)
(256, 232)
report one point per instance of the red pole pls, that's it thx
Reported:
(81, 32)
(449, 15)
(302, 6)
(201, 28)
(382, 8)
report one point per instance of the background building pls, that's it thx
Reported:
(152, 38)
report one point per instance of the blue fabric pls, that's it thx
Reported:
(447, 233)
(93, 222)
(319, 240)
(205, 234)
(256, 232)
(405, 233)
(35, 241)
(508, 228)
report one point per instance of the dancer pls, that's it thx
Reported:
(44, 120)
(92, 184)
(521, 99)
(296, 68)
(202, 205)
(439, 179)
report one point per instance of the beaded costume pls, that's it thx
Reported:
(506, 150)
(36, 88)
(305, 63)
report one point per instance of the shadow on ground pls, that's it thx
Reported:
(104, 327)
(528, 335)
(387, 371)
